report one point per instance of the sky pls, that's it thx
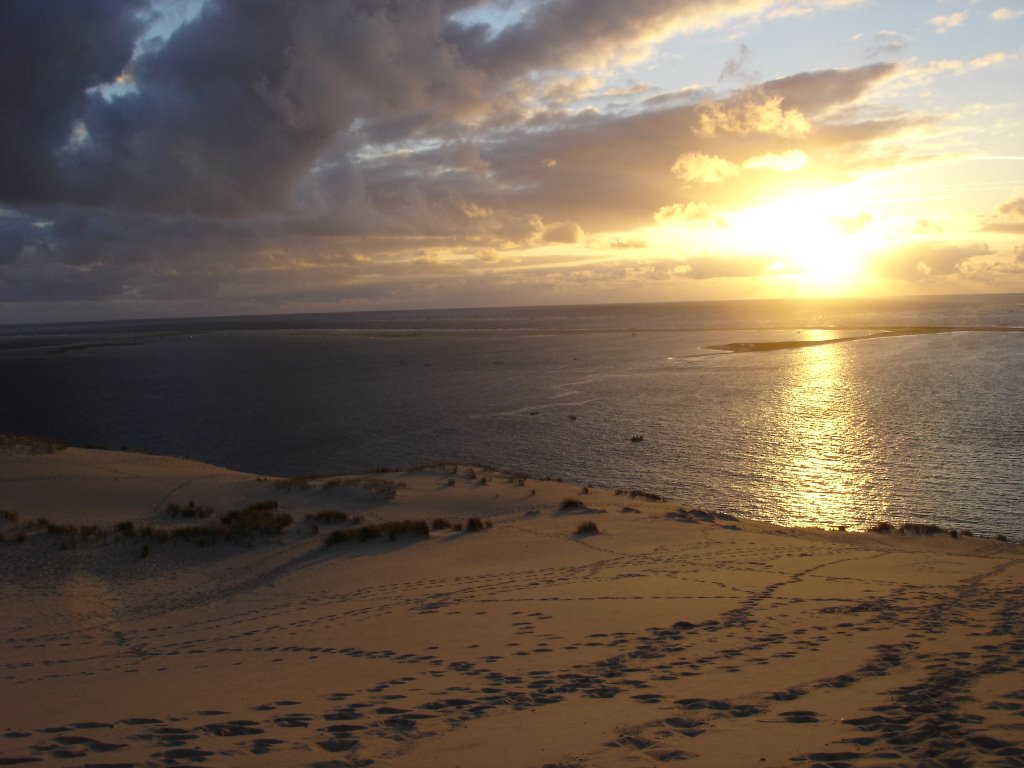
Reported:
(215, 157)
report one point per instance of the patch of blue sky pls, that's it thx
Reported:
(497, 14)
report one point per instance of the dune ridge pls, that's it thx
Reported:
(574, 627)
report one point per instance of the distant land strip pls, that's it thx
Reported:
(769, 346)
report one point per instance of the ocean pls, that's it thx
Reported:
(925, 427)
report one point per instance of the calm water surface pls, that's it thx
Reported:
(924, 427)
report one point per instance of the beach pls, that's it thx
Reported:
(458, 615)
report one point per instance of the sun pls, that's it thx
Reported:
(824, 236)
(821, 240)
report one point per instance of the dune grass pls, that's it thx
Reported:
(391, 530)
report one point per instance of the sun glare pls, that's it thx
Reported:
(824, 236)
(820, 239)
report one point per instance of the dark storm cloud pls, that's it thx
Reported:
(50, 56)
(233, 110)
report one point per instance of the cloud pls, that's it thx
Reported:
(710, 267)
(696, 168)
(49, 61)
(924, 73)
(735, 68)
(693, 212)
(924, 261)
(888, 42)
(784, 162)
(563, 232)
(752, 116)
(1007, 14)
(1009, 218)
(951, 21)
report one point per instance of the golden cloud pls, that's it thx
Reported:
(767, 117)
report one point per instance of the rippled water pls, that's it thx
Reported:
(923, 427)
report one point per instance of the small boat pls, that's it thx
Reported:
(636, 439)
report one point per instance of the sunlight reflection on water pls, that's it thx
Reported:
(822, 452)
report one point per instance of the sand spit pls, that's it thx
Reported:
(772, 346)
(664, 637)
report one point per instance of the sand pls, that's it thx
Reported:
(662, 638)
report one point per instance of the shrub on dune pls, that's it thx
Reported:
(392, 530)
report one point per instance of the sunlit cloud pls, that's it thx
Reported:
(784, 162)
(948, 22)
(752, 116)
(695, 168)
(698, 212)
(1007, 14)
(698, 168)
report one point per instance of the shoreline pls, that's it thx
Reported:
(534, 640)
(48, 445)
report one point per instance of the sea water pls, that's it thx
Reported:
(926, 427)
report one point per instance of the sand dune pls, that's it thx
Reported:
(663, 638)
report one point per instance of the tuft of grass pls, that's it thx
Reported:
(392, 531)
(640, 494)
(475, 524)
(293, 484)
(6, 514)
(450, 481)
(189, 510)
(440, 524)
(587, 528)
(571, 503)
(333, 516)
(377, 488)
(31, 443)
(261, 518)
(921, 529)
(918, 529)
(70, 534)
